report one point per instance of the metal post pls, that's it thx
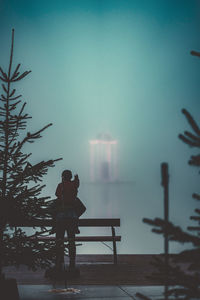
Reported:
(114, 245)
(165, 184)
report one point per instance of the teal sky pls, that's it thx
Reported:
(122, 67)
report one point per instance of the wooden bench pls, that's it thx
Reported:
(112, 223)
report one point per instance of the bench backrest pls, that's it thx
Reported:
(113, 222)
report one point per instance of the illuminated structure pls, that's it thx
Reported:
(103, 159)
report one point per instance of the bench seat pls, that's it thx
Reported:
(105, 238)
(90, 222)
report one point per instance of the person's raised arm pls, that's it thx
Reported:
(76, 181)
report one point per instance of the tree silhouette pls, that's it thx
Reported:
(183, 269)
(20, 180)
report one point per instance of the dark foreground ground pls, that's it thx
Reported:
(100, 279)
(91, 292)
(97, 270)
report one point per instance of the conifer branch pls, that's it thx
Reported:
(188, 141)
(191, 121)
(195, 160)
(195, 53)
(175, 233)
(19, 199)
(196, 196)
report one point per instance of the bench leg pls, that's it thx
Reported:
(114, 246)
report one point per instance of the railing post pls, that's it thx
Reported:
(165, 184)
(114, 246)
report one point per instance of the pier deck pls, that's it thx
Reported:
(97, 270)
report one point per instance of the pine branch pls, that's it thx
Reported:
(188, 141)
(21, 76)
(195, 53)
(15, 73)
(185, 280)
(196, 196)
(19, 199)
(14, 98)
(191, 121)
(194, 228)
(175, 233)
(195, 160)
(33, 172)
(192, 137)
(3, 76)
(12, 93)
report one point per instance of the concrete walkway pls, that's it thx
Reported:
(90, 292)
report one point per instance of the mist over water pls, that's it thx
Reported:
(117, 67)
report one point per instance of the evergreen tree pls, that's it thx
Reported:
(184, 281)
(20, 180)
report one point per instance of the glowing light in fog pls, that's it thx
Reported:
(103, 159)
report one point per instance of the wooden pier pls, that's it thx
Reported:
(97, 269)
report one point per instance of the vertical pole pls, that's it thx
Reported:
(114, 246)
(165, 184)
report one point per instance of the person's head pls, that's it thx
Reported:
(66, 175)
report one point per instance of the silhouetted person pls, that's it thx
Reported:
(66, 218)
